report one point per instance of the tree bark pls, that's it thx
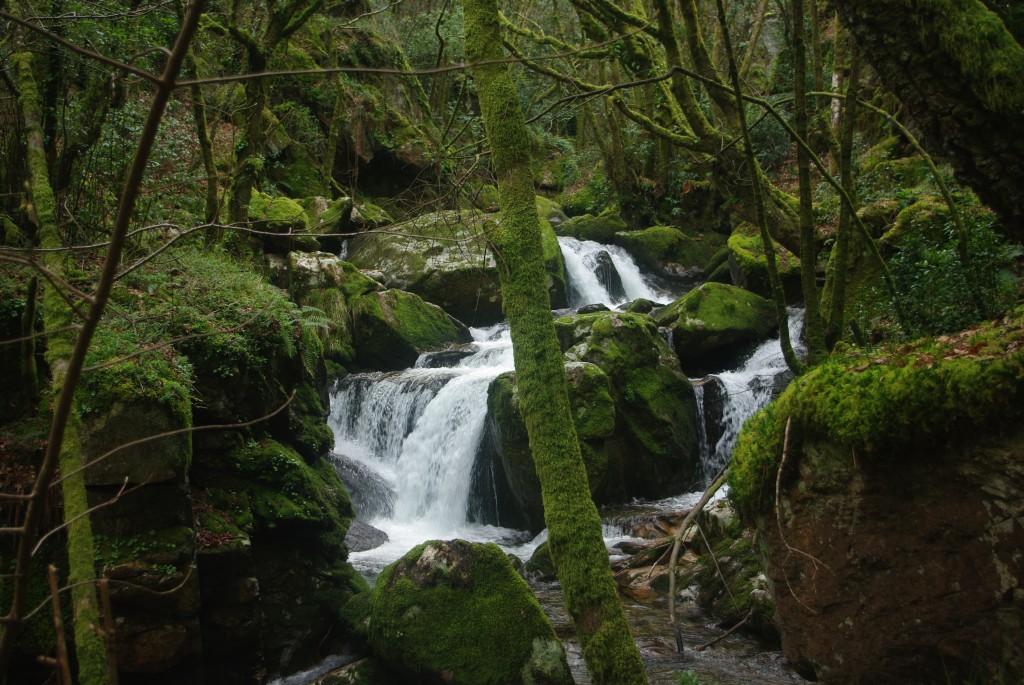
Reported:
(814, 326)
(574, 526)
(958, 71)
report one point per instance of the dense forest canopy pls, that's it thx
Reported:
(171, 169)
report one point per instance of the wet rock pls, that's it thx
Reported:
(362, 536)
(712, 324)
(592, 308)
(749, 267)
(392, 328)
(457, 612)
(671, 253)
(445, 258)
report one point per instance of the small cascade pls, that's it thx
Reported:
(419, 432)
(729, 398)
(605, 274)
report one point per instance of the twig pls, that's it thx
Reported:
(677, 543)
(790, 550)
(63, 668)
(108, 630)
(709, 643)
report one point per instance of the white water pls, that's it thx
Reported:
(748, 388)
(585, 286)
(420, 430)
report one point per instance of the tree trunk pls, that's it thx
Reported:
(958, 71)
(814, 327)
(574, 526)
(90, 651)
(841, 249)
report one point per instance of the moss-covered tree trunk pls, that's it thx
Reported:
(814, 327)
(90, 650)
(574, 526)
(959, 71)
(840, 259)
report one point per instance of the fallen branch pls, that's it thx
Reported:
(677, 543)
(709, 643)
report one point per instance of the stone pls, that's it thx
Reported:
(457, 612)
(749, 267)
(672, 253)
(445, 258)
(713, 323)
(390, 329)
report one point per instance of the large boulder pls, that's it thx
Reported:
(601, 228)
(711, 324)
(749, 266)
(390, 329)
(445, 258)
(594, 418)
(671, 253)
(457, 612)
(280, 218)
(896, 542)
(633, 409)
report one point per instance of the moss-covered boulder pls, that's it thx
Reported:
(713, 323)
(633, 408)
(390, 329)
(445, 258)
(601, 228)
(671, 253)
(282, 217)
(457, 612)
(749, 267)
(901, 489)
(593, 415)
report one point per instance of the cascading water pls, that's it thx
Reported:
(592, 281)
(732, 397)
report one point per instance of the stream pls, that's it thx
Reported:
(408, 443)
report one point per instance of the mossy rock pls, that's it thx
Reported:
(600, 229)
(712, 324)
(281, 216)
(593, 416)
(653, 450)
(883, 151)
(925, 218)
(392, 328)
(457, 612)
(889, 176)
(879, 404)
(541, 565)
(548, 210)
(731, 583)
(749, 267)
(879, 216)
(672, 253)
(445, 258)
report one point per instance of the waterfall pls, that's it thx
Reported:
(732, 397)
(604, 274)
(413, 439)
(420, 431)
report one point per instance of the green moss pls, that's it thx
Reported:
(467, 614)
(659, 246)
(393, 327)
(280, 214)
(881, 404)
(284, 491)
(540, 562)
(355, 615)
(750, 267)
(991, 61)
(601, 228)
